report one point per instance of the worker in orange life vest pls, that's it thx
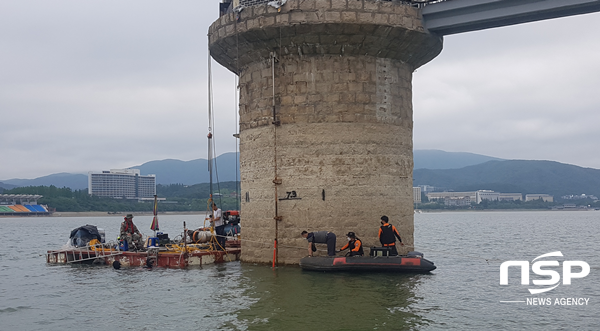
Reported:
(131, 234)
(388, 234)
(354, 244)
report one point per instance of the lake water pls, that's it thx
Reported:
(462, 294)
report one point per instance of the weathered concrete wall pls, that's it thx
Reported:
(344, 102)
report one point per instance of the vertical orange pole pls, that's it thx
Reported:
(274, 252)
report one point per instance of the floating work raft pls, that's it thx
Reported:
(410, 264)
(161, 257)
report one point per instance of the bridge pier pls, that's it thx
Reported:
(325, 118)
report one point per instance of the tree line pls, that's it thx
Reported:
(189, 198)
(504, 204)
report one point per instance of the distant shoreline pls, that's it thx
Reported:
(430, 211)
(103, 213)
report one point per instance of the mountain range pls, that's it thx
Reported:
(167, 172)
(172, 171)
(449, 170)
(191, 172)
(437, 159)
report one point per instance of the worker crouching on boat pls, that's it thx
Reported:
(388, 234)
(131, 233)
(354, 244)
(320, 237)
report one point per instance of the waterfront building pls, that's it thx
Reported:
(432, 196)
(544, 197)
(121, 183)
(416, 195)
(486, 195)
(458, 201)
(474, 196)
(578, 197)
(427, 188)
(510, 196)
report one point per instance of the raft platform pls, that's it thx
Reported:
(160, 257)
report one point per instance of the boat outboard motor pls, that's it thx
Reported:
(232, 217)
(83, 235)
(102, 235)
(232, 229)
(163, 239)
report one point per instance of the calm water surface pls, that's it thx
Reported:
(462, 294)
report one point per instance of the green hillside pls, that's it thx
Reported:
(179, 198)
(515, 176)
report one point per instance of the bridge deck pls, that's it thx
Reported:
(457, 16)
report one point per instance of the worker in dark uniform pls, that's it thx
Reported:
(354, 244)
(388, 234)
(320, 237)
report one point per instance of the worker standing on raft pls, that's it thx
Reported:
(354, 244)
(388, 234)
(320, 237)
(219, 225)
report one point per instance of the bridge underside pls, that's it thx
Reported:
(457, 16)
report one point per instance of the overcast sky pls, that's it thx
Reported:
(102, 84)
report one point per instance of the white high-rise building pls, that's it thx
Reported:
(121, 183)
(416, 195)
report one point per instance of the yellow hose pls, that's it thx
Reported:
(96, 245)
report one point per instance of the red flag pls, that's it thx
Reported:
(154, 226)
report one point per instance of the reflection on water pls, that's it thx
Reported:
(289, 298)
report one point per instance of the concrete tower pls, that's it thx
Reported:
(325, 117)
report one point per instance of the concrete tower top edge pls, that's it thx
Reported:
(248, 3)
(387, 29)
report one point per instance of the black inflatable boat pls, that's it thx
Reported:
(401, 263)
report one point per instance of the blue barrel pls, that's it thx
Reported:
(153, 242)
(123, 245)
